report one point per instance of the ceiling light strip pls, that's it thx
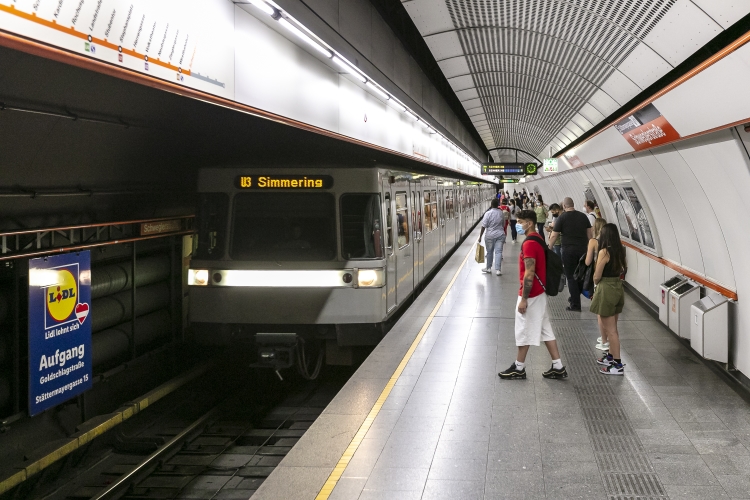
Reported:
(301, 32)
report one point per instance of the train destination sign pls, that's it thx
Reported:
(509, 168)
(270, 182)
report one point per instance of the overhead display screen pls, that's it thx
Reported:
(298, 182)
(509, 168)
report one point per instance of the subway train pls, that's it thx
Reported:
(324, 256)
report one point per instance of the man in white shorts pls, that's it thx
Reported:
(532, 320)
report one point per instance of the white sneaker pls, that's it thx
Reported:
(603, 347)
(486, 270)
(598, 340)
(498, 273)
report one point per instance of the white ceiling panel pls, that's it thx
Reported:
(429, 16)
(644, 66)
(620, 88)
(444, 45)
(684, 29)
(591, 114)
(603, 103)
(724, 12)
(452, 68)
(472, 103)
(461, 82)
(581, 121)
(465, 95)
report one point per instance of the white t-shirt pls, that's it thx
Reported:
(592, 217)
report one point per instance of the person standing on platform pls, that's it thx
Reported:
(541, 215)
(532, 319)
(505, 209)
(590, 211)
(493, 222)
(609, 297)
(514, 210)
(577, 230)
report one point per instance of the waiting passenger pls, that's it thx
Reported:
(590, 207)
(494, 222)
(532, 320)
(514, 210)
(541, 215)
(577, 229)
(609, 297)
(591, 253)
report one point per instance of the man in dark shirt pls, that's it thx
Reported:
(577, 230)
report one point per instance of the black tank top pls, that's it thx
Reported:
(610, 271)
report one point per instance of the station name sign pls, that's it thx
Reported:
(509, 168)
(271, 182)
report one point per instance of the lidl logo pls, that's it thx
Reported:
(63, 296)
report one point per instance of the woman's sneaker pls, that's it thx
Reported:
(603, 347)
(513, 372)
(486, 270)
(598, 340)
(498, 273)
(613, 369)
(606, 360)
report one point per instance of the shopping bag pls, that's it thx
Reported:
(479, 255)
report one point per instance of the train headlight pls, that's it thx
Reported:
(198, 277)
(370, 278)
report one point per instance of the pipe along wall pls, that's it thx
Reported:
(112, 312)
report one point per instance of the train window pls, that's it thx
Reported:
(361, 226)
(284, 226)
(388, 221)
(212, 213)
(427, 212)
(434, 211)
(450, 209)
(402, 219)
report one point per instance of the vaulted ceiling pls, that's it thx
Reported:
(537, 74)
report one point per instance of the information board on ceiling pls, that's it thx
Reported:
(60, 362)
(550, 165)
(509, 168)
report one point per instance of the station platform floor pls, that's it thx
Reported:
(427, 417)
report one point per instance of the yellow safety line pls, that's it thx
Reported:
(333, 479)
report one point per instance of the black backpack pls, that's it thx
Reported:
(554, 268)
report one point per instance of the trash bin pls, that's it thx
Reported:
(680, 300)
(709, 328)
(666, 287)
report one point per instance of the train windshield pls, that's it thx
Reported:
(361, 226)
(284, 226)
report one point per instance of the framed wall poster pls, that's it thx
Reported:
(633, 215)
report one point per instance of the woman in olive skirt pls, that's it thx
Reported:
(609, 296)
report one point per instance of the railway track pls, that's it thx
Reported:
(210, 441)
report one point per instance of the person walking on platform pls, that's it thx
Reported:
(493, 222)
(532, 319)
(609, 297)
(514, 210)
(577, 230)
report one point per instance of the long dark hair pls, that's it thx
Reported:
(609, 239)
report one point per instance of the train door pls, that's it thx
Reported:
(431, 232)
(403, 245)
(441, 218)
(450, 216)
(418, 232)
(390, 246)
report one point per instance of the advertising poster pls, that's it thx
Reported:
(59, 329)
(646, 128)
(647, 237)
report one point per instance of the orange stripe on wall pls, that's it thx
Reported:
(687, 273)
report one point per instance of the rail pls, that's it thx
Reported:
(27, 243)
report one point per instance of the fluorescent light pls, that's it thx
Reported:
(304, 37)
(398, 105)
(377, 91)
(346, 66)
(264, 7)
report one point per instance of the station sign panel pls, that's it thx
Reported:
(509, 181)
(550, 165)
(510, 168)
(59, 329)
(273, 182)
